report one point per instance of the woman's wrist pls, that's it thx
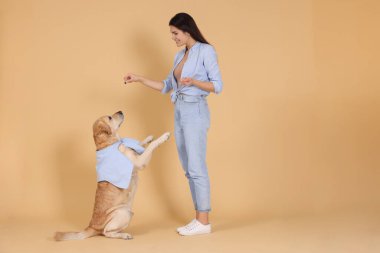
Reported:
(195, 82)
(206, 86)
(141, 79)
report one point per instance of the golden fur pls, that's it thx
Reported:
(112, 209)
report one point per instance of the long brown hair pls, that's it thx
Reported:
(186, 23)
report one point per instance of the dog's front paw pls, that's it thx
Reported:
(165, 136)
(148, 139)
(122, 148)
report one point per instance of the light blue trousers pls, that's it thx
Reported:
(192, 121)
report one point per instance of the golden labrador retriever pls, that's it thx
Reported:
(112, 210)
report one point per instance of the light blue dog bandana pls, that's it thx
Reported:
(113, 166)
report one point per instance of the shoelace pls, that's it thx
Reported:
(190, 224)
(193, 226)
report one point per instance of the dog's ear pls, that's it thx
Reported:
(102, 129)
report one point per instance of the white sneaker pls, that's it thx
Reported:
(196, 228)
(184, 227)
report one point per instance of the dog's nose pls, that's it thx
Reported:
(120, 112)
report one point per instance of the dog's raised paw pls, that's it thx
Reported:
(166, 136)
(163, 138)
(149, 139)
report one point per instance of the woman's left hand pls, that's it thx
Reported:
(187, 81)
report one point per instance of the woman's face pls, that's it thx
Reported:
(179, 37)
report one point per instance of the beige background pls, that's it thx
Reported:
(295, 131)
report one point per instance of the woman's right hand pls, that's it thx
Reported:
(130, 78)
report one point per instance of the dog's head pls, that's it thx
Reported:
(105, 130)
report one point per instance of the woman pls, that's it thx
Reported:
(195, 74)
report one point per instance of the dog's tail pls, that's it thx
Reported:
(63, 236)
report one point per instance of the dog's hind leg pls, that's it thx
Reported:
(118, 221)
(118, 235)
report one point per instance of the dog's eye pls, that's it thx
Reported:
(109, 117)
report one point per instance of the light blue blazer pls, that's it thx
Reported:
(201, 65)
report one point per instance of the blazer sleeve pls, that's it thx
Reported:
(167, 84)
(212, 68)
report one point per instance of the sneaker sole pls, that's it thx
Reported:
(198, 233)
